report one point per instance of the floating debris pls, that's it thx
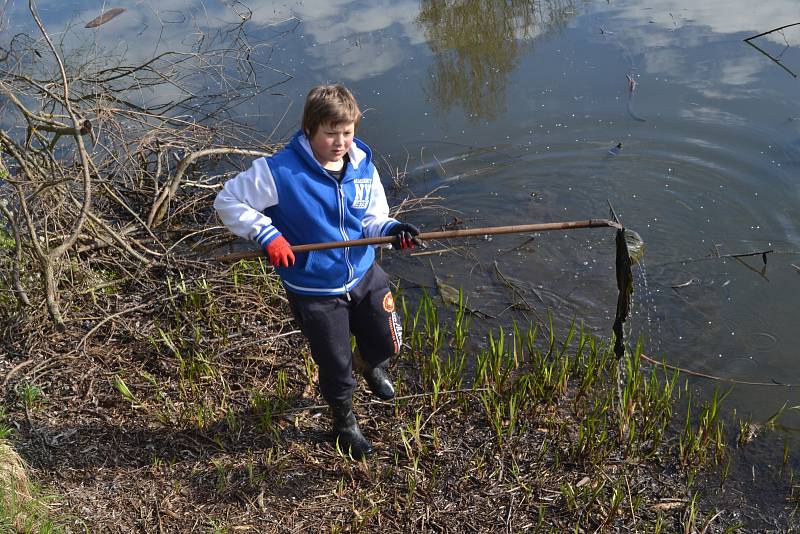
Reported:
(685, 284)
(634, 245)
(105, 17)
(453, 297)
(632, 85)
(614, 150)
(449, 294)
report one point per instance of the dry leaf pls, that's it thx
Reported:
(105, 17)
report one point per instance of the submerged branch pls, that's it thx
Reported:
(714, 377)
(777, 61)
(773, 31)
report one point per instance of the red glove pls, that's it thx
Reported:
(280, 252)
(405, 235)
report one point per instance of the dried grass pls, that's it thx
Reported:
(15, 490)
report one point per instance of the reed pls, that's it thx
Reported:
(702, 440)
(595, 407)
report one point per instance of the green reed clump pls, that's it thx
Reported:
(248, 276)
(6, 430)
(703, 442)
(192, 319)
(644, 405)
(549, 371)
(266, 410)
(439, 353)
(617, 405)
(31, 396)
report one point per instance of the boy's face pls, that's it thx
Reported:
(331, 142)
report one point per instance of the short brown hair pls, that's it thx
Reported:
(329, 104)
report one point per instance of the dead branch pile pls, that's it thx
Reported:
(100, 172)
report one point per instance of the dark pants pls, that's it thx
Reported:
(328, 321)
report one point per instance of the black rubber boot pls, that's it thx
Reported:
(378, 382)
(346, 431)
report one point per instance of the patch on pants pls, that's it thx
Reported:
(388, 302)
(397, 331)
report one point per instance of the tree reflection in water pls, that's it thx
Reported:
(477, 42)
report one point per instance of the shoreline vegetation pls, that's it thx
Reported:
(197, 411)
(144, 388)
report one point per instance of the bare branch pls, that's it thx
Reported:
(161, 204)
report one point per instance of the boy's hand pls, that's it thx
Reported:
(405, 236)
(280, 252)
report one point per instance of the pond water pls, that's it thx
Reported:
(512, 110)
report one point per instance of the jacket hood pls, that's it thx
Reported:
(360, 154)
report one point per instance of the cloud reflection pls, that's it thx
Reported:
(720, 16)
(664, 38)
(335, 32)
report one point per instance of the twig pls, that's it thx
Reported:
(717, 256)
(386, 403)
(108, 318)
(14, 370)
(774, 30)
(630, 500)
(713, 377)
(762, 273)
(774, 59)
(22, 295)
(514, 291)
(434, 251)
(257, 341)
(711, 520)
(762, 253)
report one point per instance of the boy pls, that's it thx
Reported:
(323, 186)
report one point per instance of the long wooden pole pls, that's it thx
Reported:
(491, 230)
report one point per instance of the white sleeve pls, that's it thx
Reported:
(376, 219)
(242, 200)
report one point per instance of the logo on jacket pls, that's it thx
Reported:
(363, 192)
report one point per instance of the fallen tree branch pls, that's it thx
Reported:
(161, 204)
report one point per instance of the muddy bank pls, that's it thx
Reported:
(195, 409)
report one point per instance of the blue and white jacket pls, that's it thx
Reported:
(291, 194)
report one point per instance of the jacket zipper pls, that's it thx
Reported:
(342, 204)
(344, 236)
